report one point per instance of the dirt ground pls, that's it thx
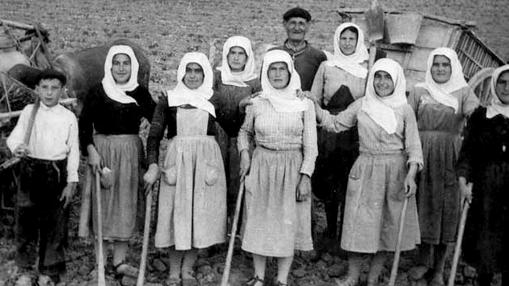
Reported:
(168, 29)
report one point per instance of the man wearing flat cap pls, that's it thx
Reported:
(306, 58)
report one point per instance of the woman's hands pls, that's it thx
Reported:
(151, 175)
(304, 188)
(307, 94)
(245, 162)
(465, 189)
(244, 103)
(247, 101)
(94, 159)
(409, 183)
(410, 186)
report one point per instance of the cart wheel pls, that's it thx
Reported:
(480, 83)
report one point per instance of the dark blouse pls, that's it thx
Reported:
(164, 115)
(486, 142)
(307, 62)
(227, 99)
(110, 117)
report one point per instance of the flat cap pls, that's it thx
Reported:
(51, 74)
(297, 12)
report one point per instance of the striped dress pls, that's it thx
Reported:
(275, 224)
(375, 192)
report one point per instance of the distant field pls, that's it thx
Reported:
(168, 29)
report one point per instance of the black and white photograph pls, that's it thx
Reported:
(254, 143)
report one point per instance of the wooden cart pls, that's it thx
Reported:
(409, 38)
(28, 44)
(29, 41)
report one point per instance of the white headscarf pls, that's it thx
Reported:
(496, 106)
(381, 109)
(199, 97)
(117, 92)
(350, 63)
(285, 99)
(441, 92)
(237, 78)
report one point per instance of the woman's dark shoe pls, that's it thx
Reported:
(255, 281)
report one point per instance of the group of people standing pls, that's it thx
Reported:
(374, 148)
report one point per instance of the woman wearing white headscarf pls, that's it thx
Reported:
(192, 196)
(348, 65)
(483, 172)
(338, 82)
(441, 104)
(234, 80)
(114, 109)
(383, 174)
(278, 185)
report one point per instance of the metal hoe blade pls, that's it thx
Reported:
(375, 21)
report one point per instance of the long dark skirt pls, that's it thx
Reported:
(336, 154)
(123, 154)
(486, 233)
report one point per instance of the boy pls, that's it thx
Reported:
(49, 155)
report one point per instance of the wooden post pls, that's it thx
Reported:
(459, 240)
(101, 279)
(146, 236)
(229, 255)
(375, 22)
(395, 264)
(17, 25)
(43, 44)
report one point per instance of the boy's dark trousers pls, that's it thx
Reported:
(40, 217)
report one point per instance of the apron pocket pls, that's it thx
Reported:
(354, 181)
(170, 175)
(211, 175)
